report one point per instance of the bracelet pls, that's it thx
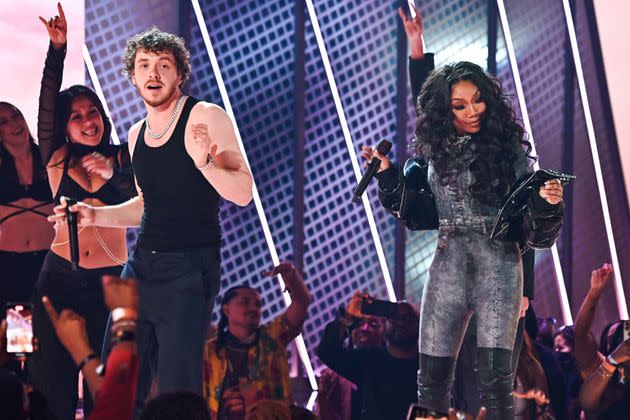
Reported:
(612, 361)
(123, 336)
(87, 360)
(123, 326)
(124, 313)
(205, 165)
(606, 370)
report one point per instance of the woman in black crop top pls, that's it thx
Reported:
(74, 135)
(25, 202)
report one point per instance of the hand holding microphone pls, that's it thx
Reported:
(73, 233)
(378, 162)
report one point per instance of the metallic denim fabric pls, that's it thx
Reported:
(470, 273)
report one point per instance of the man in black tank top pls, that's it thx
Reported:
(185, 157)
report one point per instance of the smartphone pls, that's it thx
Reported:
(626, 330)
(417, 412)
(19, 329)
(376, 307)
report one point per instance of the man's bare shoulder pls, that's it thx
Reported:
(207, 111)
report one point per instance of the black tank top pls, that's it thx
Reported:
(181, 208)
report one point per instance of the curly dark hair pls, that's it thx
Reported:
(156, 41)
(498, 143)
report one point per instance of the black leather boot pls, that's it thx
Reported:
(496, 382)
(435, 379)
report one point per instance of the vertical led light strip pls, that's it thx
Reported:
(99, 91)
(299, 340)
(350, 145)
(619, 292)
(562, 291)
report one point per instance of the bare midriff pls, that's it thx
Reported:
(27, 231)
(98, 246)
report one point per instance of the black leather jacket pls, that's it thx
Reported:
(525, 217)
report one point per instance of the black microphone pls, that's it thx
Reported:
(383, 147)
(73, 233)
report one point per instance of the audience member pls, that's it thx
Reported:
(114, 394)
(247, 363)
(564, 346)
(385, 376)
(337, 397)
(604, 394)
(531, 390)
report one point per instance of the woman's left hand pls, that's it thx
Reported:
(95, 163)
(551, 191)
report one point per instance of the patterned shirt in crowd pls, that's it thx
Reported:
(267, 367)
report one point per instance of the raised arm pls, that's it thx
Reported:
(48, 134)
(300, 296)
(594, 386)
(420, 63)
(216, 153)
(585, 345)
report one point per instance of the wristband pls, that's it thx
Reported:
(124, 313)
(87, 360)
(612, 361)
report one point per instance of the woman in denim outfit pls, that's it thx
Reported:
(475, 150)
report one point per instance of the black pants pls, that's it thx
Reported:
(51, 369)
(177, 292)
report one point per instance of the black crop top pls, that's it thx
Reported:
(11, 190)
(118, 189)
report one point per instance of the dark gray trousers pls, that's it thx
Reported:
(470, 273)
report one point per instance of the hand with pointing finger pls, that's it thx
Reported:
(70, 329)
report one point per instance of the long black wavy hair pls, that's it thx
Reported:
(4, 154)
(498, 143)
(230, 294)
(63, 109)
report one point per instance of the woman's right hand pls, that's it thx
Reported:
(367, 153)
(57, 28)
(86, 213)
(413, 31)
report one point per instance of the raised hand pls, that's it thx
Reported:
(285, 268)
(70, 329)
(601, 277)
(203, 145)
(96, 163)
(551, 191)
(413, 30)
(57, 28)
(368, 152)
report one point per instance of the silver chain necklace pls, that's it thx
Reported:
(170, 122)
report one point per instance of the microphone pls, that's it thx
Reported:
(383, 147)
(73, 233)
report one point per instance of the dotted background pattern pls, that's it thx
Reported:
(254, 43)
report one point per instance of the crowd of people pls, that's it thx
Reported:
(136, 325)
